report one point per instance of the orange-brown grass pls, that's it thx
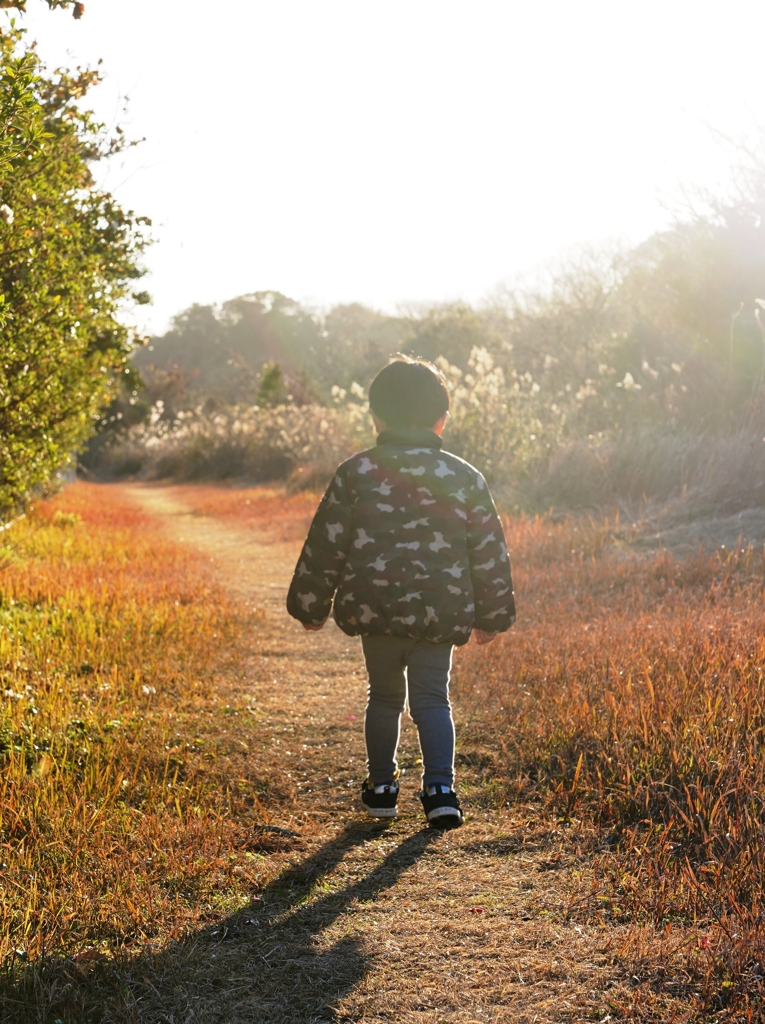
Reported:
(631, 694)
(121, 794)
(286, 517)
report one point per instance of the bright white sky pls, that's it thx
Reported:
(406, 150)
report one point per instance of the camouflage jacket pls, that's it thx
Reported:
(409, 543)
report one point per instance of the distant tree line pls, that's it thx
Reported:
(671, 330)
(636, 346)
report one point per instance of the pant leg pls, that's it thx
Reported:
(385, 658)
(428, 668)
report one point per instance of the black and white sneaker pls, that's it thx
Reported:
(380, 801)
(441, 806)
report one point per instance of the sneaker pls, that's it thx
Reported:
(380, 801)
(441, 806)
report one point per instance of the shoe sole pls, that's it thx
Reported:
(448, 818)
(381, 812)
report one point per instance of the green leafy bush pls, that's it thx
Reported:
(68, 255)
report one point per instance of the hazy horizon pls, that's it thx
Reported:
(403, 155)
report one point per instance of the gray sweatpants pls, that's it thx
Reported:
(395, 665)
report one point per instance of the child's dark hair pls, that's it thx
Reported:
(409, 393)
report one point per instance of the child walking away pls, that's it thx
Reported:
(409, 544)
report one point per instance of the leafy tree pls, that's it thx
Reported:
(68, 255)
(355, 342)
(451, 330)
(704, 280)
(221, 351)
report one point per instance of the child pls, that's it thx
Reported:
(408, 542)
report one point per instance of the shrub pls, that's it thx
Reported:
(254, 442)
(68, 254)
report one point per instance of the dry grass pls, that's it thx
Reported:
(697, 473)
(610, 757)
(629, 699)
(631, 695)
(124, 796)
(245, 442)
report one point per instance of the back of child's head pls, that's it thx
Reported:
(409, 393)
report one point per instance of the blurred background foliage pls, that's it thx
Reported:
(621, 373)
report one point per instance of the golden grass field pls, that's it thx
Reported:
(180, 840)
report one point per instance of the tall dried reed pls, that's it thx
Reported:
(260, 443)
(697, 473)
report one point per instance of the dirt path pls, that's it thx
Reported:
(370, 923)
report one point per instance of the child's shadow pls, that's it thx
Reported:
(267, 963)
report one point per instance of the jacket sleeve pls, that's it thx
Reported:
(324, 553)
(489, 563)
